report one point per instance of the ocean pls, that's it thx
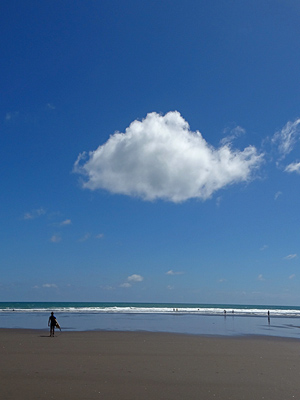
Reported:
(199, 319)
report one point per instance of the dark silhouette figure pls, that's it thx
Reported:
(52, 323)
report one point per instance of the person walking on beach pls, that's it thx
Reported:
(52, 323)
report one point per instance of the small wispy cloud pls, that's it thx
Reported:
(277, 195)
(131, 280)
(55, 238)
(171, 272)
(170, 287)
(264, 247)
(290, 257)
(232, 134)
(218, 201)
(135, 278)
(287, 138)
(11, 116)
(34, 213)
(85, 237)
(293, 167)
(107, 287)
(100, 236)
(125, 285)
(66, 222)
(222, 280)
(50, 106)
(260, 277)
(49, 285)
(292, 276)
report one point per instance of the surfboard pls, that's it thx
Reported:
(57, 325)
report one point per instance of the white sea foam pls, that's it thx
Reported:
(234, 311)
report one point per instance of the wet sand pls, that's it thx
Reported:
(141, 365)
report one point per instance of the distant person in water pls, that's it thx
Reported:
(52, 323)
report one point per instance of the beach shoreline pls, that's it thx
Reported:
(146, 365)
(185, 318)
(209, 325)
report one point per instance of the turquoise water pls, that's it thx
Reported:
(202, 319)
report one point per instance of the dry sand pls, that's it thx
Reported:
(142, 366)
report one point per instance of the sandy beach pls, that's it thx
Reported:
(138, 365)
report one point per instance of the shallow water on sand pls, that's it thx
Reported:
(229, 325)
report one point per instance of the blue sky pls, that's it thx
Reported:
(150, 151)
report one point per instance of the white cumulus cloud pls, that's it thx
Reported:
(161, 158)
